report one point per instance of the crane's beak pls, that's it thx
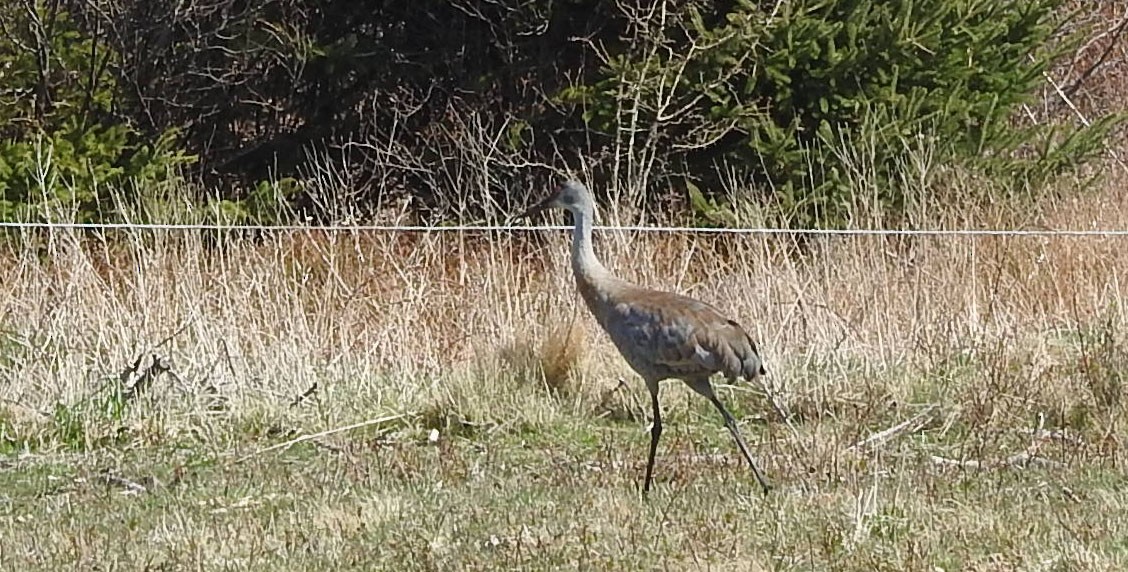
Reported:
(541, 206)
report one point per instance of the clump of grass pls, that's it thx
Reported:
(1095, 371)
(447, 416)
(1104, 359)
(553, 358)
(559, 356)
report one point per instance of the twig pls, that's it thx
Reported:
(1084, 120)
(180, 330)
(1018, 460)
(305, 395)
(1069, 494)
(159, 367)
(127, 374)
(292, 442)
(227, 357)
(130, 487)
(1062, 435)
(1115, 31)
(909, 425)
(330, 447)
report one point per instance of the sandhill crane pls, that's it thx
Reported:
(661, 335)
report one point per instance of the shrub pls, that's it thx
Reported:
(776, 92)
(62, 147)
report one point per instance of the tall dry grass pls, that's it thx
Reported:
(466, 330)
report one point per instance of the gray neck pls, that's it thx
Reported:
(584, 262)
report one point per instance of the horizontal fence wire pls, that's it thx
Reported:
(609, 228)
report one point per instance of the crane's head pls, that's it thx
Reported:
(571, 195)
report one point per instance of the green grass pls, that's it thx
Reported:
(558, 495)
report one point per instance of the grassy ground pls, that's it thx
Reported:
(956, 403)
(559, 497)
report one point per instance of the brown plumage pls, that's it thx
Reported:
(662, 335)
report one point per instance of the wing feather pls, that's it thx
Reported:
(683, 335)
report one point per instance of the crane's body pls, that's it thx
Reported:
(661, 335)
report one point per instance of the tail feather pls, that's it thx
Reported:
(754, 366)
(741, 349)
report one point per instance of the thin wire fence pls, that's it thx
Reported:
(610, 228)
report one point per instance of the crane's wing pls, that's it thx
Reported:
(686, 336)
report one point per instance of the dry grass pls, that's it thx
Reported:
(142, 375)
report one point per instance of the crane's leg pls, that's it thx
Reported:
(655, 432)
(705, 388)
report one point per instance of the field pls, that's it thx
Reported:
(327, 401)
